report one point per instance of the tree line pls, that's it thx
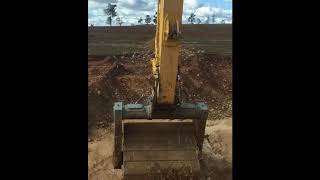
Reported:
(110, 11)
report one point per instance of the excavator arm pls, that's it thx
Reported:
(149, 146)
(167, 47)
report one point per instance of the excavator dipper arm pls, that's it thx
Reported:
(147, 149)
(167, 47)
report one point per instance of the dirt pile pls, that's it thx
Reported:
(127, 78)
(207, 78)
(116, 78)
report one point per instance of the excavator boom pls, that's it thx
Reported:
(167, 46)
(154, 140)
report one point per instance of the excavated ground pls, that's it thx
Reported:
(127, 77)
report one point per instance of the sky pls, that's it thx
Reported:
(131, 10)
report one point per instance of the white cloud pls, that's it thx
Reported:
(191, 3)
(205, 12)
(131, 10)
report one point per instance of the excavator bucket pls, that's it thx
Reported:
(161, 148)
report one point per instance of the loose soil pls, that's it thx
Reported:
(127, 77)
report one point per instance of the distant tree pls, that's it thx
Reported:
(148, 19)
(207, 20)
(213, 18)
(155, 18)
(110, 11)
(119, 21)
(192, 18)
(223, 21)
(140, 20)
(109, 20)
(198, 21)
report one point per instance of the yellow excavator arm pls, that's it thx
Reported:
(167, 47)
(149, 147)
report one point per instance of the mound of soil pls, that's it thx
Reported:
(124, 78)
(127, 78)
(207, 78)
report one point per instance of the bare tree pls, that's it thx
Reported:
(155, 18)
(140, 20)
(192, 18)
(110, 11)
(148, 19)
(119, 21)
(109, 20)
(213, 18)
(207, 20)
(223, 21)
(198, 21)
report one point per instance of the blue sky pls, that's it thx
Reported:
(227, 4)
(131, 10)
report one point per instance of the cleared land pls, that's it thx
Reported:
(215, 39)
